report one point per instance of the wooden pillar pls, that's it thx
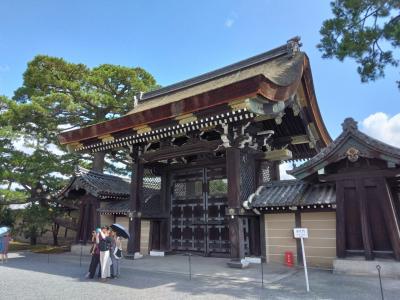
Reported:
(86, 222)
(263, 236)
(135, 203)
(365, 224)
(165, 209)
(236, 234)
(275, 173)
(299, 251)
(340, 221)
(96, 215)
(79, 231)
(390, 217)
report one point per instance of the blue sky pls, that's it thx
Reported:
(175, 40)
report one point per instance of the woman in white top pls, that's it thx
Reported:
(104, 244)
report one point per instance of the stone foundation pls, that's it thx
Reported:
(360, 266)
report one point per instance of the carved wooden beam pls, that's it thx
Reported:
(294, 140)
(262, 106)
(281, 154)
(191, 148)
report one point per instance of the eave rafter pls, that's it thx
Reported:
(161, 133)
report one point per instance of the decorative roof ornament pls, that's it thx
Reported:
(137, 97)
(349, 124)
(352, 154)
(293, 46)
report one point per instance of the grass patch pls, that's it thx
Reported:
(21, 246)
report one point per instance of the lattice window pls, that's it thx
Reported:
(265, 172)
(151, 200)
(180, 189)
(151, 181)
(188, 190)
(247, 175)
(218, 187)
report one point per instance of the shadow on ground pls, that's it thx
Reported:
(167, 278)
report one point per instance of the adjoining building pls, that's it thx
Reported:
(205, 175)
(100, 199)
(347, 196)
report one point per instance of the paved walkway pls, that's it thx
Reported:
(35, 276)
(200, 266)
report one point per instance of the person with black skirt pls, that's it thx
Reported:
(95, 261)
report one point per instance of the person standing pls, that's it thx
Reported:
(5, 242)
(1, 249)
(115, 254)
(104, 247)
(112, 248)
(95, 261)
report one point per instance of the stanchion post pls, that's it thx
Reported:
(262, 273)
(378, 267)
(190, 266)
(80, 257)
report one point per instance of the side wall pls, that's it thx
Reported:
(144, 234)
(320, 247)
(279, 236)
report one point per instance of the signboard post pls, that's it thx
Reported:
(302, 233)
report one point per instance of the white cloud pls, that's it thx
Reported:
(229, 22)
(383, 127)
(231, 19)
(283, 167)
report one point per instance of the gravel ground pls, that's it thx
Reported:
(33, 277)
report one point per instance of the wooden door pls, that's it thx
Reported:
(198, 202)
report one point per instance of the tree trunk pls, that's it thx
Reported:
(33, 240)
(98, 162)
(55, 229)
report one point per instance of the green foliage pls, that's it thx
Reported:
(57, 95)
(35, 219)
(365, 30)
(6, 217)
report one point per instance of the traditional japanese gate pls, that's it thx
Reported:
(198, 203)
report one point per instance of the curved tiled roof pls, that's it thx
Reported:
(335, 151)
(97, 184)
(275, 75)
(279, 66)
(286, 193)
(108, 187)
(257, 59)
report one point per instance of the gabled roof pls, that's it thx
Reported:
(97, 184)
(353, 139)
(271, 77)
(283, 66)
(254, 60)
(287, 193)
